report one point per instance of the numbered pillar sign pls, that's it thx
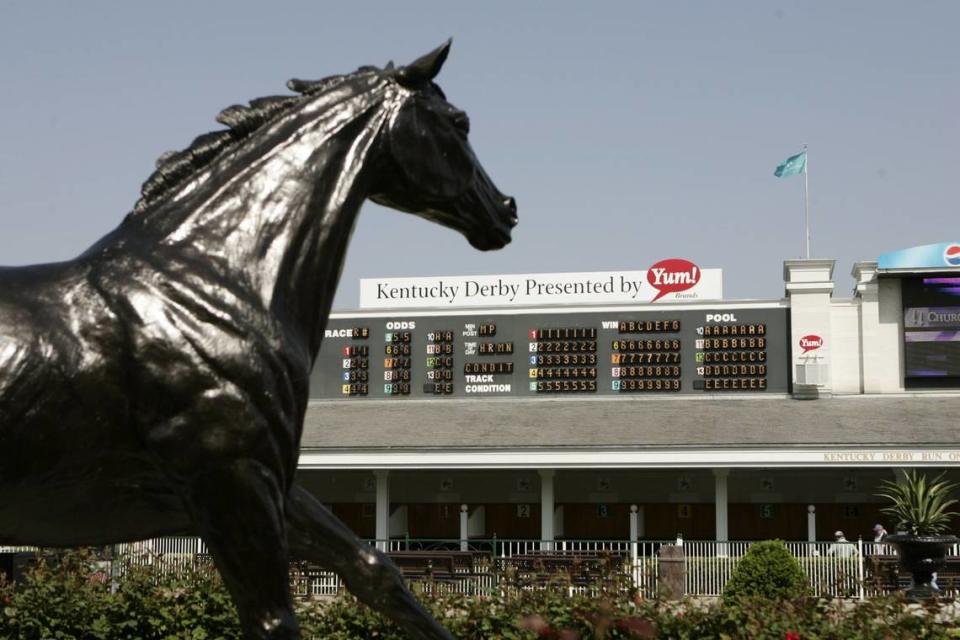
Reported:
(523, 510)
(603, 510)
(766, 511)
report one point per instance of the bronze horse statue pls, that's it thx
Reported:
(157, 383)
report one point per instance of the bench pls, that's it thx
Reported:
(423, 564)
(580, 568)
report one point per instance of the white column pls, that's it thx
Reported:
(546, 506)
(881, 330)
(382, 513)
(809, 287)
(811, 523)
(720, 500)
(464, 531)
(634, 532)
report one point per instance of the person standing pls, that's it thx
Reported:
(879, 534)
(841, 547)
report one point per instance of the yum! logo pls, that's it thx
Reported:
(810, 343)
(671, 276)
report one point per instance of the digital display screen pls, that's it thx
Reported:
(931, 332)
(469, 354)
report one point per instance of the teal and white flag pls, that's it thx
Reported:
(792, 166)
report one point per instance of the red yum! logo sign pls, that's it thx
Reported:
(810, 343)
(672, 275)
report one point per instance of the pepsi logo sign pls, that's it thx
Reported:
(810, 343)
(951, 255)
(672, 275)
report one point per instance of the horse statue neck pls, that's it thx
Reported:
(273, 217)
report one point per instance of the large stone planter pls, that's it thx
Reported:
(922, 556)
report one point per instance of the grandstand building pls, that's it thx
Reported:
(601, 417)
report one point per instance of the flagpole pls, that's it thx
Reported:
(806, 196)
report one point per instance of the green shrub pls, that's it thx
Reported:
(767, 570)
(63, 599)
(57, 600)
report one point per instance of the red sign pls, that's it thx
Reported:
(810, 343)
(672, 275)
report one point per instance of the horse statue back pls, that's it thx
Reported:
(157, 383)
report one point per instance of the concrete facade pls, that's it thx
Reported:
(863, 335)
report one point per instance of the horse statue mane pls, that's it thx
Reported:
(157, 383)
(173, 167)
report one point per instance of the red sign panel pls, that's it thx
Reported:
(810, 343)
(672, 275)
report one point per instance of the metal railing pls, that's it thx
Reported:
(171, 551)
(309, 581)
(831, 569)
(838, 570)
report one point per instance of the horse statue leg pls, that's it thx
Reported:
(238, 510)
(316, 535)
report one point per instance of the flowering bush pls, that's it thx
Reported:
(64, 598)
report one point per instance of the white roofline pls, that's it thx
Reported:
(845, 456)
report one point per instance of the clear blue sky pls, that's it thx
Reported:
(628, 131)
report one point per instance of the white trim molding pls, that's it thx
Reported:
(580, 458)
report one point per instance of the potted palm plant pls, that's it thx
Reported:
(919, 508)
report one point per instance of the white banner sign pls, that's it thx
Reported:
(672, 280)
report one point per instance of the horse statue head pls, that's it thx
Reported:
(433, 171)
(274, 197)
(157, 383)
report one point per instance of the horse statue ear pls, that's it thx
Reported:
(425, 68)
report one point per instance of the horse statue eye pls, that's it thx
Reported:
(462, 123)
